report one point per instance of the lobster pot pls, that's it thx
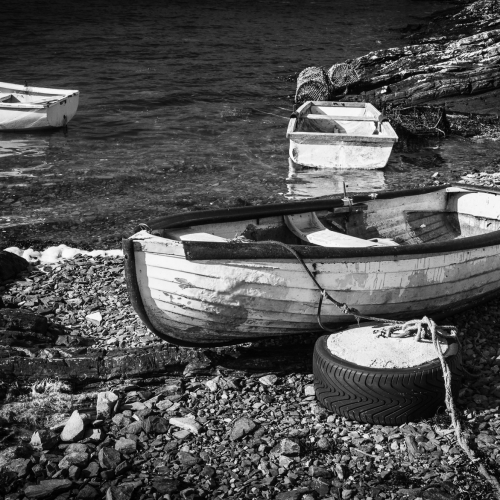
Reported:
(342, 75)
(312, 85)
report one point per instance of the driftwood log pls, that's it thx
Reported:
(86, 365)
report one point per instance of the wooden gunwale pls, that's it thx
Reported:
(327, 138)
(59, 95)
(202, 250)
(23, 107)
(278, 209)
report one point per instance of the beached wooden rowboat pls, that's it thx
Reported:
(212, 277)
(23, 107)
(328, 134)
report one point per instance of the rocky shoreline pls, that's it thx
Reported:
(452, 65)
(238, 422)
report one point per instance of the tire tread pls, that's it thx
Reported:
(386, 397)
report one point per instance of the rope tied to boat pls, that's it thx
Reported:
(425, 328)
(418, 329)
(462, 434)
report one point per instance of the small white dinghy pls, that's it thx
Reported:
(23, 107)
(329, 134)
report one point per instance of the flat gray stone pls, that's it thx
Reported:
(109, 458)
(105, 403)
(122, 491)
(88, 493)
(74, 428)
(292, 494)
(268, 380)
(76, 448)
(166, 486)
(188, 424)
(241, 428)
(48, 488)
(76, 458)
(124, 445)
(19, 466)
(289, 447)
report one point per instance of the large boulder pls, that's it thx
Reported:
(10, 265)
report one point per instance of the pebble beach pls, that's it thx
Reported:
(208, 431)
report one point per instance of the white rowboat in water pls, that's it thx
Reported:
(213, 277)
(329, 134)
(31, 108)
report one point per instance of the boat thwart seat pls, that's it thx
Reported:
(188, 234)
(309, 228)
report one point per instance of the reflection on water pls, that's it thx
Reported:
(26, 171)
(21, 155)
(304, 182)
(28, 147)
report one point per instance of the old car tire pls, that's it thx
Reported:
(386, 396)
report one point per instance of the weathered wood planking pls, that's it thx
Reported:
(299, 301)
(218, 300)
(267, 303)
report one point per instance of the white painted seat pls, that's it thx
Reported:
(188, 234)
(309, 228)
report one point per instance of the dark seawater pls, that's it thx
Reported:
(184, 105)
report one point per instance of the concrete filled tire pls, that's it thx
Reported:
(385, 396)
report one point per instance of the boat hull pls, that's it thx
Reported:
(217, 301)
(340, 135)
(37, 108)
(212, 293)
(341, 155)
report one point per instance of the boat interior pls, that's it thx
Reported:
(447, 214)
(333, 120)
(32, 98)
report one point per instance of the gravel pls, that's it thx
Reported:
(237, 435)
(251, 440)
(86, 296)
